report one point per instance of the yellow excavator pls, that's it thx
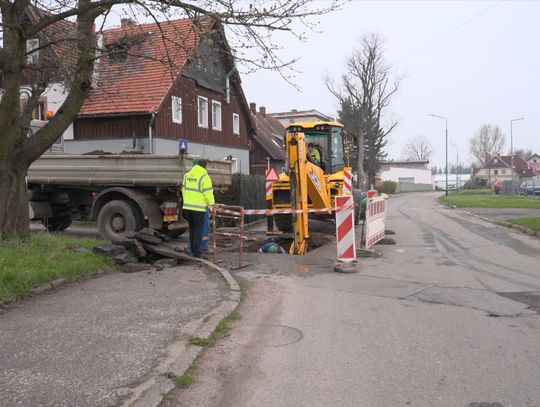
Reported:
(316, 158)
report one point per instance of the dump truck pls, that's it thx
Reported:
(122, 192)
(311, 184)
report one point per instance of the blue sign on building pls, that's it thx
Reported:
(183, 144)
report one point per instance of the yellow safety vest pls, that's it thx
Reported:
(316, 156)
(197, 191)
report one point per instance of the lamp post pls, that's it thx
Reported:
(512, 151)
(446, 146)
(458, 184)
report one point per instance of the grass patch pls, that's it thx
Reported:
(197, 341)
(43, 258)
(482, 191)
(184, 381)
(495, 201)
(222, 327)
(531, 223)
(187, 378)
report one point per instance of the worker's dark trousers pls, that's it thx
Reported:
(195, 220)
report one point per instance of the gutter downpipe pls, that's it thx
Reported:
(150, 133)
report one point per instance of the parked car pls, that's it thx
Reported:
(530, 187)
(497, 186)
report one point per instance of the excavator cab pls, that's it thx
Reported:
(311, 180)
(328, 139)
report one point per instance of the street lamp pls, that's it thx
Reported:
(512, 151)
(446, 146)
(458, 184)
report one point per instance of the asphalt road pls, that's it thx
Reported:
(93, 342)
(446, 317)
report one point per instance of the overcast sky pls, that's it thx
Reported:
(473, 62)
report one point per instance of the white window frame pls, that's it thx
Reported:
(216, 115)
(202, 118)
(236, 123)
(31, 55)
(176, 109)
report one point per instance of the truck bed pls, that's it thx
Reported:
(121, 170)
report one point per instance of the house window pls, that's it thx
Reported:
(32, 54)
(495, 172)
(503, 171)
(236, 123)
(216, 115)
(202, 107)
(176, 108)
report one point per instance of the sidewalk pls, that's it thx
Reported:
(106, 341)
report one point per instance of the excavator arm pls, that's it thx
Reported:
(308, 189)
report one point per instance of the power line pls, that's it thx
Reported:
(446, 34)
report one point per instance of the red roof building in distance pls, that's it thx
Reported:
(534, 163)
(157, 84)
(499, 168)
(268, 149)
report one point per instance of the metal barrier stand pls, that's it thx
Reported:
(237, 214)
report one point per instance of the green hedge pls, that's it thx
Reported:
(247, 191)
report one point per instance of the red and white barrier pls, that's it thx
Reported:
(375, 220)
(347, 182)
(346, 249)
(269, 190)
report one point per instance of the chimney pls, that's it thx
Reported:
(127, 23)
(262, 110)
(253, 107)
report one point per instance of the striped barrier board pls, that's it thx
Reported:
(269, 190)
(347, 182)
(345, 236)
(375, 220)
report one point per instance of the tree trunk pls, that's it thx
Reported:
(13, 200)
(360, 175)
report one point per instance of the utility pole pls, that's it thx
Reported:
(458, 183)
(446, 146)
(512, 151)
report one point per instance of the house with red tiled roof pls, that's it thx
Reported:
(160, 83)
(534, 164)
(268, 149)
(499, 168)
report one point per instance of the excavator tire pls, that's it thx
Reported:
(284, 222)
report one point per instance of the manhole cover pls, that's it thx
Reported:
(282, 335)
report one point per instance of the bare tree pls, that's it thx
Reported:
(75, 24)
(364, 94)
(418, 148)
(524, 153)
(487, 142)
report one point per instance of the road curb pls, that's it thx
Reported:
(522, 229)
(181, 354)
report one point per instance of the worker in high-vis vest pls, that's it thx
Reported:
(197, 196)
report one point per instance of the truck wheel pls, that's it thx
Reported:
(57, 223)
(284, 222)
(118, 218)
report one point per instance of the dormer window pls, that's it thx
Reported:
(117, 53)
(32, 54)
